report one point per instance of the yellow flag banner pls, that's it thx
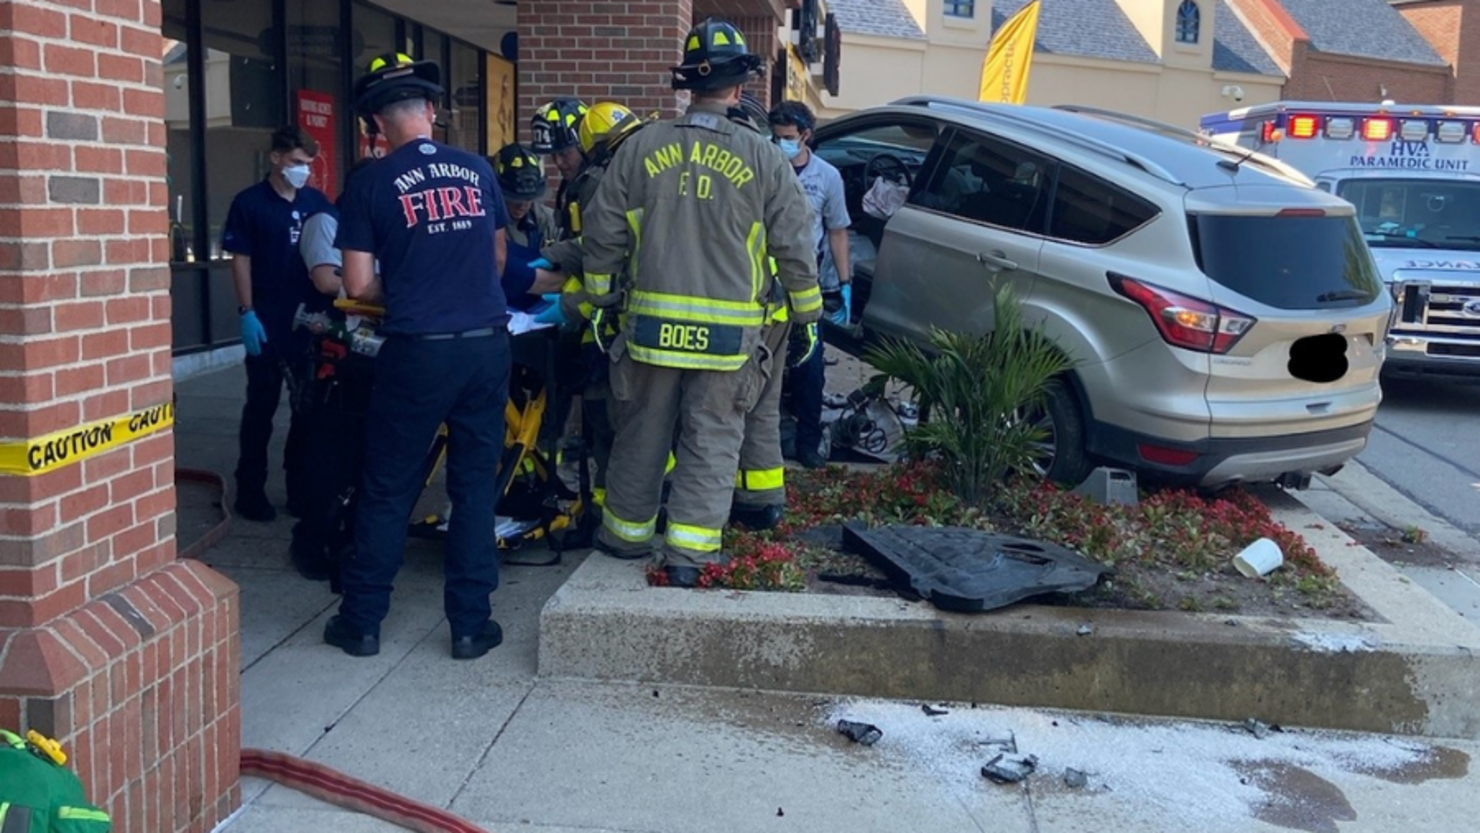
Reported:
(1009, 57)
(64, 448)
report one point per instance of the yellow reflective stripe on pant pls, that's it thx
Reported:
(633, 532)
(807, 300)
(684, 361)
(761, 480)
(693, 538)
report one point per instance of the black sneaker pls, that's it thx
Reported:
(682, 576)
(472, 647)
(341, 636)
(254, 506)
(756, 518)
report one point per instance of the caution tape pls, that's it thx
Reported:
(53, 451)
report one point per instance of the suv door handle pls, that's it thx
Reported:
(996, 261)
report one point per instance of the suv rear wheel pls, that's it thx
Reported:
(1062, 457)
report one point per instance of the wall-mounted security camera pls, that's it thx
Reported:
(1233, 91)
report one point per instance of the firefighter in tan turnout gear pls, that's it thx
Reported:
(690, 210)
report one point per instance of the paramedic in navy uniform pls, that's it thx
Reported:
(434, 217)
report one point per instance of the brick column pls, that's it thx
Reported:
(127, 656)
(760, 37)
(618, 51)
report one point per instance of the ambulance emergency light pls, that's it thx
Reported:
(1377, 129)
(1303, 127)
(1451, 131)
(1340, 127)
(1414, 130)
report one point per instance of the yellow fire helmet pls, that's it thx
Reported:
(606, 121)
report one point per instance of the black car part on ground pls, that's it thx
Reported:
(969, 571)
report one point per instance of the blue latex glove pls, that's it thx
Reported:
(841, 317)
(541, 263)
(254, 335)
(551, 314)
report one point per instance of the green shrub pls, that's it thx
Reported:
(975, 392)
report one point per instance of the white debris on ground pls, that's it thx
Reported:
(1195, 774)
(1335, 643)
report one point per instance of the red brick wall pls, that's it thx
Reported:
(760, 37)
(1273, 28)
(105, 641)
(1317, 76)
(601, 51)
(1453, 28)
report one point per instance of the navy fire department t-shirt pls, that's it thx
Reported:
(265, 227)
(429, 213)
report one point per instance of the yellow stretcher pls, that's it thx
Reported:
(534, 504)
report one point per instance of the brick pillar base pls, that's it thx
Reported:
(107, 643)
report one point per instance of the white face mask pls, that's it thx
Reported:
(296, 175)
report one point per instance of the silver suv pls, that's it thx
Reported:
(1226, 318)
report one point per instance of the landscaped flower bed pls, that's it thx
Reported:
(1173, 550)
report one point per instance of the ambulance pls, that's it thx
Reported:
(1413, 173)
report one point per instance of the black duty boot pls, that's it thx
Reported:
(309, 558)
(253, 505)
(756, 518)
(341, 636)
(472, 647)
(682, 576)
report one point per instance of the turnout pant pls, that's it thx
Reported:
(761, 480)
(709, 408)
(420, 384)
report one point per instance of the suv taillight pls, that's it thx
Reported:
(1185, 322)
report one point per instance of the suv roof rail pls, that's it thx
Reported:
(1104, 148)
(1172, 131)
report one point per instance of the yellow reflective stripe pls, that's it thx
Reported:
(755, 246)
(598, 285)
(693, 538)
(634, 533)
(807, 300)
(598, 496)
(634, 222)
(671, 464)
(684, 361)
(760, 480)
(80, 814)
(697, 310)
(780, 315)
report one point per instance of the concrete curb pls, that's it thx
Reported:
(1374, 496)
(1415, 671)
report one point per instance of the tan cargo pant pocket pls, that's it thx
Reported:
(620, 371)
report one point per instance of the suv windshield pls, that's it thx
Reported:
(1287, 262)
(1416, 213)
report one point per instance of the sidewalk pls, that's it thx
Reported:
(511, 751)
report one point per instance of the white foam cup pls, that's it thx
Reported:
(1259, 558)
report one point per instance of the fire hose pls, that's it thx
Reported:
(334, 787)
(316, 780)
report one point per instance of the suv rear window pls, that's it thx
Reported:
(1287, 262)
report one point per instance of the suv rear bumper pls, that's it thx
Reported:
(1226, 461)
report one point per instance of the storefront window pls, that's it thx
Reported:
(180, 150)
(315, 79)
(465, 116)
(244, 102)
(374, 35)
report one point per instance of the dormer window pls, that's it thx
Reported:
(1189, 21)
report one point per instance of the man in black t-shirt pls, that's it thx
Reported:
(433, 216)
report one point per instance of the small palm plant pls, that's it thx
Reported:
(976, 393)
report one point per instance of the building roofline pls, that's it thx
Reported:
(1282, 17)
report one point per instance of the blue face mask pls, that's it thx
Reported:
(791, 147)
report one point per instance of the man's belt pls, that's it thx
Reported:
(481, 332)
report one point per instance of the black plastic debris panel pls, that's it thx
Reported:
(968, 571)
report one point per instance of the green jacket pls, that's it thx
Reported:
(693, 210)
(39, 796)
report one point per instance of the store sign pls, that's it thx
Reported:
(316, 117)
(798, 79)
